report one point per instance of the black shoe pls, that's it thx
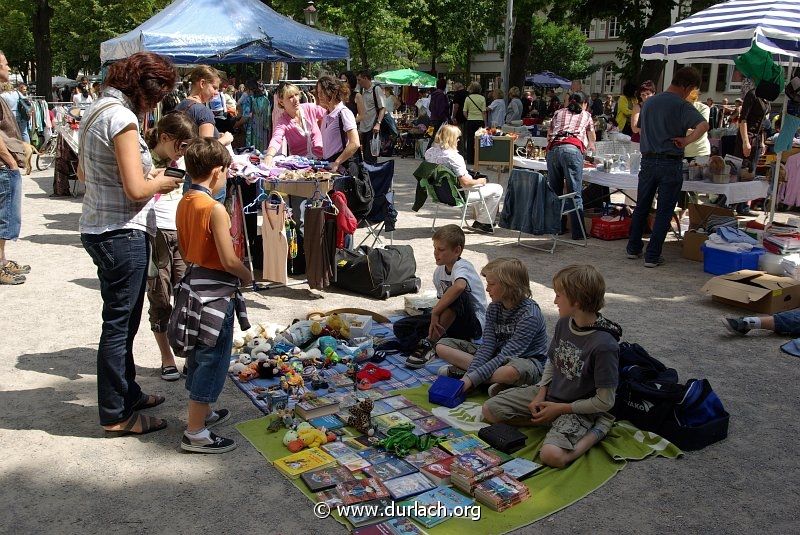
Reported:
(421, 355)
(486, 228)
(654, 263)
(217, 417)
(213, 444)
(170, 373)
(448, 370)
(736, 326)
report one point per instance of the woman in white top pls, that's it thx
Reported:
(83, 97)
(444, 152)
(497, 109)
(167, 142)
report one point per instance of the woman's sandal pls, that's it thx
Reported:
(148, 402)
(148, 424)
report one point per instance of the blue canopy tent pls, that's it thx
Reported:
(722, 32)
(225, 31)
(548, 79)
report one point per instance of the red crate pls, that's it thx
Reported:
(610, 230)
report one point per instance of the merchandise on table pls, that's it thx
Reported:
(423, 458)
(415, 413)
(390, 469)
(471, 464)
(429, 424)
(361, 490)
(384, 422)
(468, 484)
(329, 422)
(398, 402)
(375, 456)
(313, 408)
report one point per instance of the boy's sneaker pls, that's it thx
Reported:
(654, 263)
(212, 444)
(737, 326)
(421, 355)
(496, 388)
(633, 256)
(448, 370)
(217, 417)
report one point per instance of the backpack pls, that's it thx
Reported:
(381, 272)
(23, 106)
(356, 185)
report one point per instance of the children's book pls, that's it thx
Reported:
(395, 526)
(338, 449)
(430, 500)
(405, 486)
(361, 490)
(472, 464)
(326, 478)
(464, 444)
(501, 492)
(379, 506)
(338, 380)
(429, 424)
(439, 471)
(448, 433)
(380, 407)
(303, 461)
(415, 413)
(390, 469)
(329, 422)
(355, 444)
(520, 468)
(312, 408)
(422, 458)
(504, 457)
(385, 422)
(398, 402)
(375, 456)
(330, 497)
(353, 462)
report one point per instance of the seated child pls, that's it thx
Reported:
(580, 377)
(201, 325)
(787, 323)
(461, 296)
(512, 352)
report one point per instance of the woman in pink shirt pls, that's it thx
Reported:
(298, 124)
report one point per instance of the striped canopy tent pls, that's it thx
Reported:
(722, 32)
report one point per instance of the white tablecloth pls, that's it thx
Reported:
(735, 192)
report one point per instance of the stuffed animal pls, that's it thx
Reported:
(359, 418)
(312, 437)
(290, 435)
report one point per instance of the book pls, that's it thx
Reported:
(312, 408)
(353, 462)
(429, 424)
(501, 492)
(338, 449)
(303, 461)
(468, 484)
(379, 407)
(375, 456)
(472, 464)
(520, 468)
(338, 380)
(395, 526)
(384, 422)
(439, 471)
(361, 490)
(463, 444)
(372, 512)
(398, 402)
(415, 413)
(422, 458)
(329, 421)
(390, 469)
(448, 433)
(326, 478)
(430, 500)
(504, 457)
(405, 486)
(355, 444)
(330, 497)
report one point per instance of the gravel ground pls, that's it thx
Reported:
(60, 474)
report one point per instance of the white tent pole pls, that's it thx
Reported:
(777, 174)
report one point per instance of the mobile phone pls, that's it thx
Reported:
(174, 172)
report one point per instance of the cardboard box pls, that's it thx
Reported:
(754, 290)
(692, 243)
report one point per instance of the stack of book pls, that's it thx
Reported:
(470, 469)
(501, 492)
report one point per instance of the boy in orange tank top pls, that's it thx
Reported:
(205, 243)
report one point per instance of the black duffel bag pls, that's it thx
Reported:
(382, 272)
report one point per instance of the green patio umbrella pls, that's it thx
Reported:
(407, 77)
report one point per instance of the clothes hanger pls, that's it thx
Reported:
(252, 208)
(328, 203)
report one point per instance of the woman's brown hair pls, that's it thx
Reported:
(144, 77)
(335, 90)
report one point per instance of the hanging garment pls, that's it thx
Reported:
(276, 247)
(318, 263)
(346, 223)
(237, 226)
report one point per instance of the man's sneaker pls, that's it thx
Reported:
(496, 388)
(421, 355)
(654, 263)
(170, 373)
(633, 256)
(737, 326)
(212, 444)
(217, 417)
(448, 370)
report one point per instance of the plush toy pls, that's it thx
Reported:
(327, 342)
(244, 358)
(312, 437)
(236, 367)
(250, 372)
(290, 435)
(359, 418)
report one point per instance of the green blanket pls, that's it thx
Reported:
(551, 489)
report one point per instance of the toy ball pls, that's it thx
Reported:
(244, 358)
(290, 436)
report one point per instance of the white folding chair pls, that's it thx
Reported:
(464, 204)
(555, 237)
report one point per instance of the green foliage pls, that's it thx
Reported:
(559, 48)
(16, 40)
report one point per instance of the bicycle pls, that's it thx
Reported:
(47, 153)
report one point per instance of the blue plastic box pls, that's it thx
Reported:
(718, 262)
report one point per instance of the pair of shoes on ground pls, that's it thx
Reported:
(212, 443)
(647, 263)
(737, 325)
(141, 424)
(423, 354)
(13, 273)
(486, 228)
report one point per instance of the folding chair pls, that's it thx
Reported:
(382, 216)
(443, 189)
(563, 199)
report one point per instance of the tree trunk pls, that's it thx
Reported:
(42, 48)
(520, 49)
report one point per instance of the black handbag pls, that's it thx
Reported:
(381, 272)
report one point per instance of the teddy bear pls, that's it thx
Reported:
(359, 418)
(311, 436)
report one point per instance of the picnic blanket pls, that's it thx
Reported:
(402, 377)
(551, 489)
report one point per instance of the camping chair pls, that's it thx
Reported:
(441, 185)
(554, 237)
(382, 216)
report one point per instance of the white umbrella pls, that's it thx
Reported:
(722, 32)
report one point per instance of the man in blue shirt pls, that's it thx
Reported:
(664, 122)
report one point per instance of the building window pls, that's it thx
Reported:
(734, 81)
(600, 29)
(585, 30)
(610, 80)
(705, 74)
(722, 77)
(613, 28)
